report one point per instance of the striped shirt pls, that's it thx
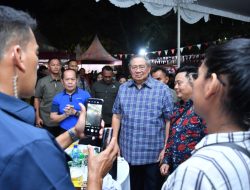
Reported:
(143, 114)
(214, 167)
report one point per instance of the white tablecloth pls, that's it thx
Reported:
(123, 173)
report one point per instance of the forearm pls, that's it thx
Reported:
(116, 120)
(64, 140)
(167, 131)
(94, 182)
(37, 106)
(57, 118)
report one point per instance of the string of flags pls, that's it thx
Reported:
(172, 60)
(169, 52)
(173, 51)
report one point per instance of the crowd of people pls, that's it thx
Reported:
(195, 136)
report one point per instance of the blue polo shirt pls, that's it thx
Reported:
(62, 99)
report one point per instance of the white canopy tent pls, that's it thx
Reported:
(191, 11)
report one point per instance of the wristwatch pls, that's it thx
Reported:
(77, 114)
(73, 135)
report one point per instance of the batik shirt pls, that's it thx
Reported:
(186, 130)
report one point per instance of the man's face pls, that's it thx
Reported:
(107, 76)
(122, 80)
(27, 79)
(99, 77)
(69, 81)
(82, 73)
(183, 86)
(73, 65)
(139, 70)
(54, 66)
(160, 76)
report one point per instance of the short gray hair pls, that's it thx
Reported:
(139, 56)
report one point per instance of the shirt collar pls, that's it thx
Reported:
(239, 136)
(76, 91)
(112, 82)
(52, 80)
(148, 83)
(17, 108)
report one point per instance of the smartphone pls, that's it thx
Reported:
(106, 137)
(94, 117)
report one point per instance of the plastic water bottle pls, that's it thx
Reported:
(75, 154)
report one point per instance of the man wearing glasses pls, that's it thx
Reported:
(141, 112)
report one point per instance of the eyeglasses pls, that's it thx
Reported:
(138, 67)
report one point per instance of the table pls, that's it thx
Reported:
(123, 179)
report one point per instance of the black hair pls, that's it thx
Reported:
(121, 76)
(54, 59)
(232, 62)
(157, 68)
(70, 61)
(14, 27)
(62, 76)
(189, 70)
(107, 68)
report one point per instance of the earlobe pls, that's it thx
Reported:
(18, 58)
(211, 87)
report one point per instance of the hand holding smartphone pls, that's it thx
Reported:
(94, 116)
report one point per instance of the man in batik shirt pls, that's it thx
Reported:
(186, 127)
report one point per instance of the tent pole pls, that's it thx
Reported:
(178, 36)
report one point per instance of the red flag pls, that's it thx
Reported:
(172, 51)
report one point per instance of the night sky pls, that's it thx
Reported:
(65, 23)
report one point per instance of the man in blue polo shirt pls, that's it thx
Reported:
(65, 106)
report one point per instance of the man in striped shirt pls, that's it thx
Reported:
(221, 96)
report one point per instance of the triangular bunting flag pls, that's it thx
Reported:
(159, 53)
(181, 49)
(189, 47)
(166, 52)
(172, 51)
(199, 46)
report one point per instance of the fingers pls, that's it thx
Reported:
(112, 149)
(39, 123)
(83, 109)
(100, 133)
(80, 125)
(102, 123)
(90, 150)
(164, 169)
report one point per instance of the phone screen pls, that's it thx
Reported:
(94, 116)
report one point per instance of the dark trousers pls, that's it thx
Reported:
(146, 177)
(55, 131)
